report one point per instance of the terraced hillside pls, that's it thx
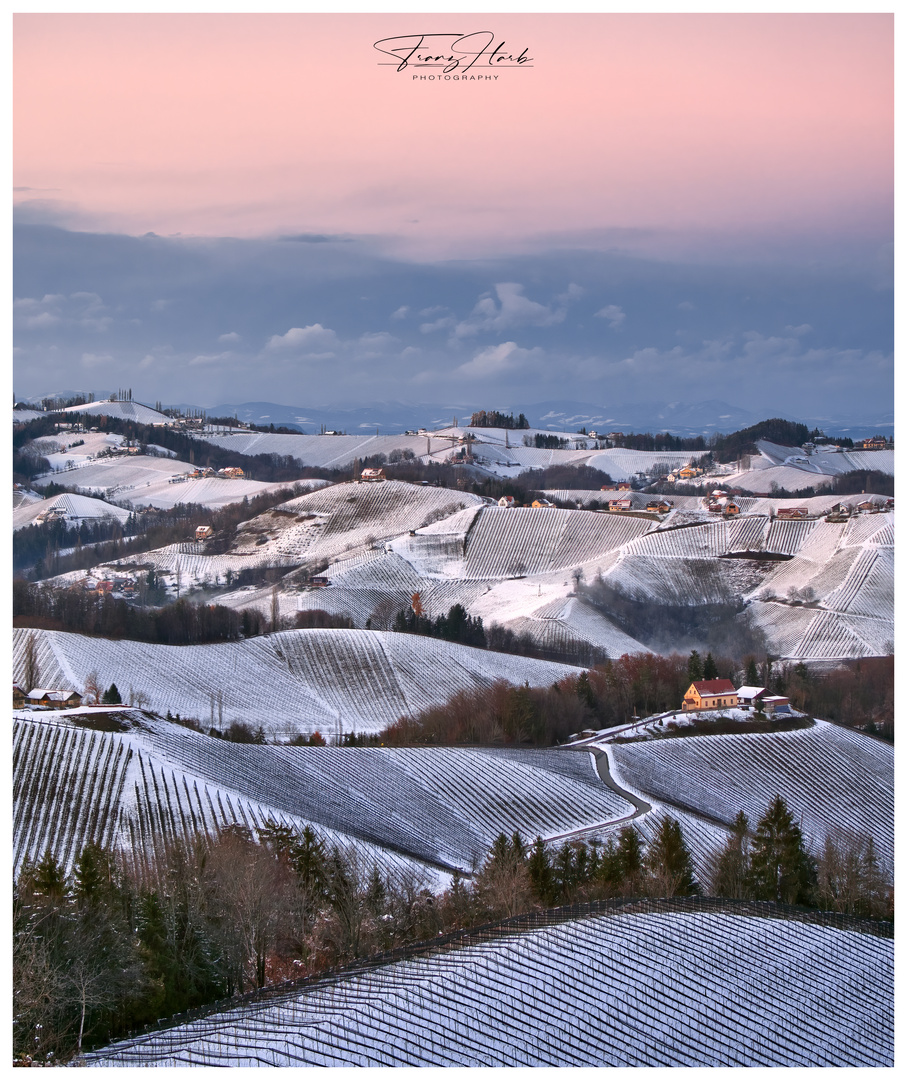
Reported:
(429, 809)
(831, 778)
(335, 681)
(660, 988)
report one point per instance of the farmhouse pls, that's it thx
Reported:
(710, 694)
(617, 505)
(55, 699)
(877, 442)
(544, 503)
(371, 476)
(232, 472)
(19, 696)
(507, 500)
(203, 532)
(788, 513)
(749, 695)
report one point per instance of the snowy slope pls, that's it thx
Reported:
(830, 777)
(77, 508)
(291, 682)
(434, 808)
(662, 989)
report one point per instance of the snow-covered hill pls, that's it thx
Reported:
(335, 681)
(431, 809)
(660, 988)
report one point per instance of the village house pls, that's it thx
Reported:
(54, 699)
(747, 696)
(543, 503)
(507, 500)
(203, 532)
(877, 442)
(371, 476)
(710, 694)
(19, 696)
(617, 505)
(791, 513)
(233, 472)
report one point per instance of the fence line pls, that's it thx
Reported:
(535, 920)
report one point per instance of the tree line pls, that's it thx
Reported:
(493, 419)
(125, 939)
(79, 611)
(858, 694)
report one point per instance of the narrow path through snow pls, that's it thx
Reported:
(603, 767)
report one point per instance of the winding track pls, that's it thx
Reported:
(603, 767)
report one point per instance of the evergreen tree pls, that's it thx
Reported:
(584, 691)
(694, 667)
(781, 869)
(629, 857)
(709, 668)
(751, 676)
(730, 868)
(540, 876)
(112, 696)
(669, 862)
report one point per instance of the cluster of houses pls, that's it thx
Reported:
(124, 585)
(49, 698)
(877, 442)
(721, 694)
(720, 502)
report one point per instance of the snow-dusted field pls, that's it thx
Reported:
(75, 509)
(790, 468)
(336, 681)
(831, 778)
(646, 989)
(432, 809)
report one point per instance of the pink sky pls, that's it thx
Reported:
(255, 125)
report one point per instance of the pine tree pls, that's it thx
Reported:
(629, 858)
(730, 868)
(781, 869)
(751, 676)
(669, 862)
(694, 667)
(112, 696)
(540, 877)
(709, 668)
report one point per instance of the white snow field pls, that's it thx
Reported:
(790, 468)
(831, 778)
(433, 809)
(122, 410)
(335, 681)
(661, 988)
(72, 508)
(142, 480)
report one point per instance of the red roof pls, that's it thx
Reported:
(715, 686)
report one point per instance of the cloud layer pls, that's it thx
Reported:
(337, 321)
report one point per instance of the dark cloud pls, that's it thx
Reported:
(218, 320)
(316, 238)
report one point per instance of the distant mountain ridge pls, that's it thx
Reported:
(682, 418)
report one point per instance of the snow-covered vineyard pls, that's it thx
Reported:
(658, 988)
(297, 681)
(431, 808)
(834, 780)
(436, 808)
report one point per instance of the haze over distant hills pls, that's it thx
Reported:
(684, 418)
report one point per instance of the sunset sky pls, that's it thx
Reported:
(690, 197)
